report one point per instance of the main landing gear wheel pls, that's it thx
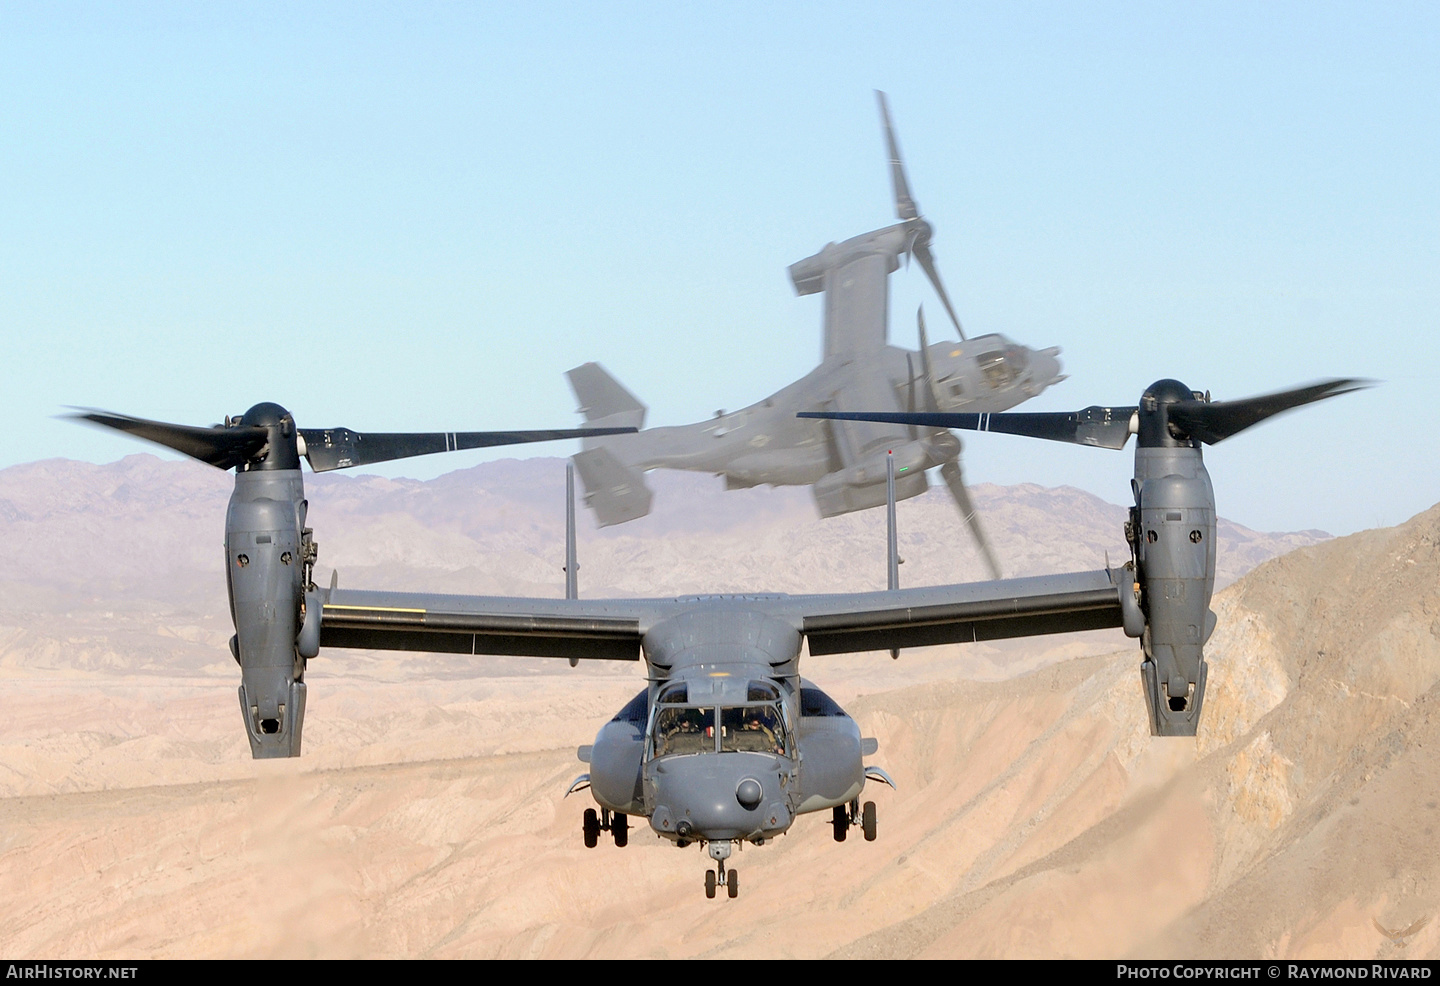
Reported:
(618, 825)
(844, 816)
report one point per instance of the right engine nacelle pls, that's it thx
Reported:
(1172, 532)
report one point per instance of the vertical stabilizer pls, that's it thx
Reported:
(613, 490)
(603, 401)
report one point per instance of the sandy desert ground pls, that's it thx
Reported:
(1035, 816)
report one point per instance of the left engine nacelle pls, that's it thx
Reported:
(265, 568)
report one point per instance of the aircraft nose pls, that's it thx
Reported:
(1045, 368)
(720, 796)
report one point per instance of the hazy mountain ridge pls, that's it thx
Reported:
(143, 527)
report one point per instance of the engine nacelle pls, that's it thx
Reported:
(265, 568)
(837, 493)
(1172, 533)
(808, 275)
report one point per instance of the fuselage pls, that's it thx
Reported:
(727, 742)
(766, 443)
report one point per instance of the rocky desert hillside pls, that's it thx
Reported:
(1299, 823)
(1035, 815)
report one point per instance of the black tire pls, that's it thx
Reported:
(841, 821)
(731, 887)
(591, 827)
(710, 884)
(867, 821)
(620, 829)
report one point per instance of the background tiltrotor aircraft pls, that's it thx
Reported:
(843, 462)
(1171, 530)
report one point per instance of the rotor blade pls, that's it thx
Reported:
(1102, 427)
(341, 448)
(931, 392)
(1217, 421)
(223, 448)
(955, 480)
(905, 206)
(927, 262)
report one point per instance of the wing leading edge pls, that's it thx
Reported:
(966, 613)
(568, 628)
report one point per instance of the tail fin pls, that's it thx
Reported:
(613, 490)
(603, 401)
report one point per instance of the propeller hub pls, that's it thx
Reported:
(1155, 428)
(266, 415)
(281, 451)
(920, 233)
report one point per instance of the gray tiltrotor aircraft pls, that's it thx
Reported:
(726, 743)
(843, 462)
(1171, 530)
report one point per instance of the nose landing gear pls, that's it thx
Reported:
(616, 823)
(718, 877)
(844, 816)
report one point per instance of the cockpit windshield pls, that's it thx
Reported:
(684, 730)
(743, 729)
(1002, 368)
(752, 729)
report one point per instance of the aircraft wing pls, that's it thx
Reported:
(840, 624)
(856, 298)
(442, 624)
(612, 629)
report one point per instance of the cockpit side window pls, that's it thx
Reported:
(814, 702)
(1002, 368)
(635, 710)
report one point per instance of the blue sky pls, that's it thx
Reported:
(417, 216)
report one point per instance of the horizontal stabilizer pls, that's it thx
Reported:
(613, 490)
(603, 401)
